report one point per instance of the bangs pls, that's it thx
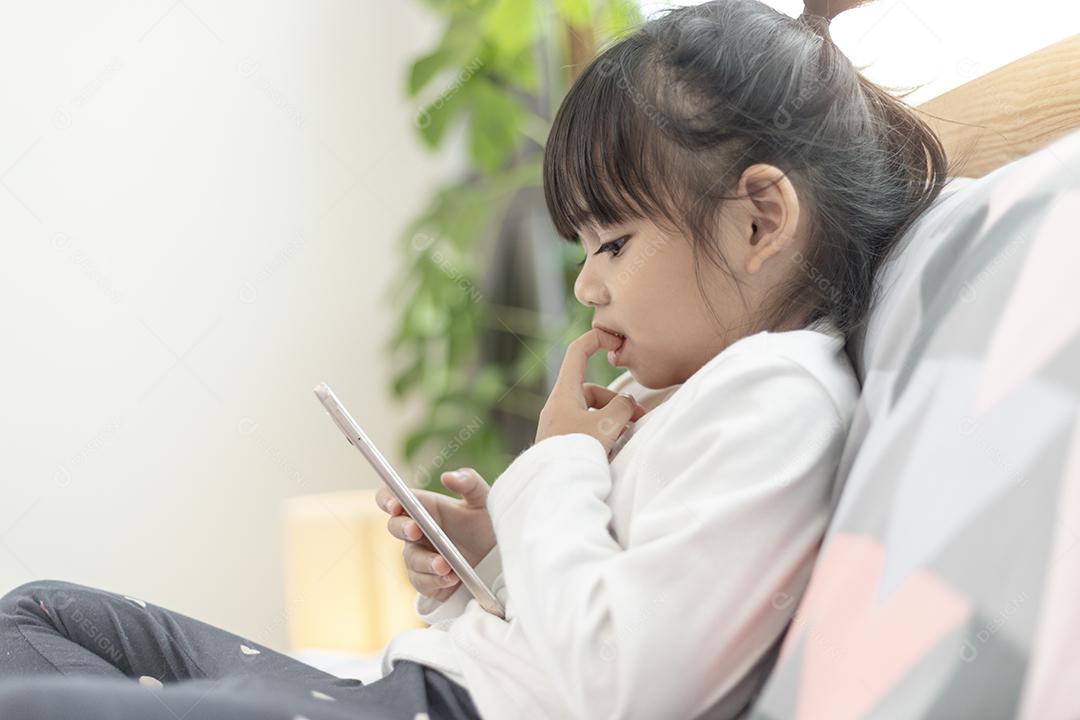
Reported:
(604, 160)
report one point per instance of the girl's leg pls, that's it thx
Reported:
(409, 692)
(64, 634)
(54, 697)
(54, 627)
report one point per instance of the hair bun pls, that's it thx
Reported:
(818, 14)
(818, 23)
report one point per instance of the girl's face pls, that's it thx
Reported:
(640, 280)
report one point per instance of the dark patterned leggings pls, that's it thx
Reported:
(72, 651)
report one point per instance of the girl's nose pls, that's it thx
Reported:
(589, 289)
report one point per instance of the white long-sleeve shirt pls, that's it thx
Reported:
(658, 582)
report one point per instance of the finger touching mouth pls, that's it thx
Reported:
(614, 355)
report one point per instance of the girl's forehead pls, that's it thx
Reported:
(588, 231)
(592, 229)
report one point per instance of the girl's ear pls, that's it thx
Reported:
(774, 212)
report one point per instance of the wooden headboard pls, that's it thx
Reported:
(1010, 112)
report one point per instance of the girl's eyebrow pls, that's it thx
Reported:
(618, 232)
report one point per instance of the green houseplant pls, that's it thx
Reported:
(478, 350)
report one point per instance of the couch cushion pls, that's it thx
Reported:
(939, 591)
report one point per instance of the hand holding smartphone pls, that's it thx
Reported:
(462, 514)
(405, 495)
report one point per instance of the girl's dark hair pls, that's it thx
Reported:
(662, 123)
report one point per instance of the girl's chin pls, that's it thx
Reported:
(643, 378)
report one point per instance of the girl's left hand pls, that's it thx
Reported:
(576, 406)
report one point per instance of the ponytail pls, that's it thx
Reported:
(914, 161)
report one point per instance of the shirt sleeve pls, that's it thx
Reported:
(731, 500)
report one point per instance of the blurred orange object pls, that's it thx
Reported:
(346, 587)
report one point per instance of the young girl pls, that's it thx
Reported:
(735, 185)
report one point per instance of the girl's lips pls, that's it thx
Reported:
(614, 333)
(614, 355)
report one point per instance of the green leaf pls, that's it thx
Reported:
(457, 7)
(424, 69)
(495, 120)
(416, 439)
(433, 120)
(521, 69)
(434, 378)
(401, 336)
(425, 318)
(489, 384)
(408, 379)
(512, 25)
(458, 213)
(575, 12)
(618, 18)
(468, 213)
(463, 49)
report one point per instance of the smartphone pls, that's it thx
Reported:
(404, 494)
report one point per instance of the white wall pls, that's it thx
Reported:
(200, 213)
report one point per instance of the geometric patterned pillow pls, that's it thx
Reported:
(948, 584)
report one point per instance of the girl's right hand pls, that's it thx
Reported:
(465, 521)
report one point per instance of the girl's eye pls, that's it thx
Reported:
(615, 246)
